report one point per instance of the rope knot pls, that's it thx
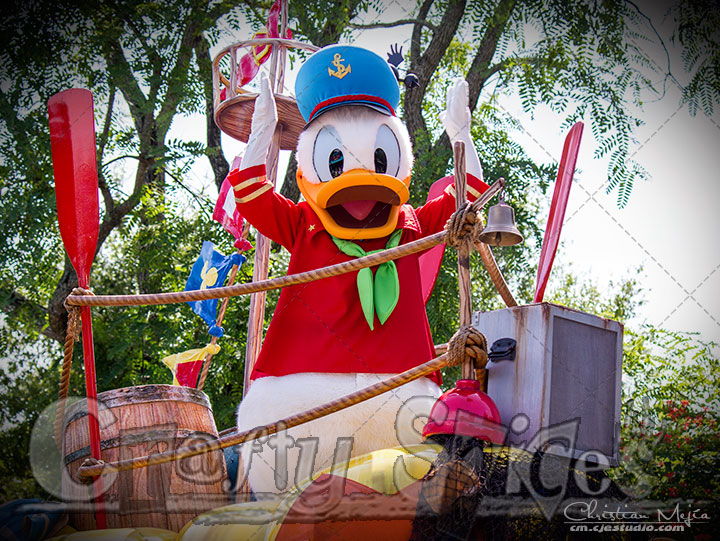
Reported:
(463, 228)
(74, 326)
(88, 462)
(468, 343)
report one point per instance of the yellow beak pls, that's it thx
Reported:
(358, 204)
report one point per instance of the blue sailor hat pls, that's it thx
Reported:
(345, 75)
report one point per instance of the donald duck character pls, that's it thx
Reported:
(333, 336)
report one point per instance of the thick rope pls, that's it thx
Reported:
(371, 260)
(496, 275)
(94, 469)
(468, 344)
(72, 335)
(262, 285)
(463, 228)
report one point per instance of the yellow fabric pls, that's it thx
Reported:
(171, 361)
(121, 534)
(241, 521)
(388, 471)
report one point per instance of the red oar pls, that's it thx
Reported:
(566, 170)
(72, 139)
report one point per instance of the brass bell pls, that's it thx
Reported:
(500, 229)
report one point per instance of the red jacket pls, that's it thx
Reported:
(319, 326)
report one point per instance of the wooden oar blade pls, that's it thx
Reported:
(72, 139)
(561, 194)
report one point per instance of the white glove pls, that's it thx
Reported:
(262, 128)
(456, 119)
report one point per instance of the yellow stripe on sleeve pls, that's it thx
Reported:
(247, 183)
(261, 190)
(472, 191)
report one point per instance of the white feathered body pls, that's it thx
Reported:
(373, 424)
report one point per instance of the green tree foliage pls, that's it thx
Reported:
(670, 442)
(671, 409)
(697, 31)
(143, 62)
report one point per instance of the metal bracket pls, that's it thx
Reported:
(503, 349)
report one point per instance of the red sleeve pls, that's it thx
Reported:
(435, 213)
(273, 215)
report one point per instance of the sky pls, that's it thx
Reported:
(666, 236)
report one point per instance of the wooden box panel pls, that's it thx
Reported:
(568, 365)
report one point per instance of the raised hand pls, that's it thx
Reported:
(456, 118)
(263, 124)
(395, 56)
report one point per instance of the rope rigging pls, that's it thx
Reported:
(467, 347)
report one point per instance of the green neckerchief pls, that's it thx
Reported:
(383, 295)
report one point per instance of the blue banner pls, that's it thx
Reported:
(208, 272)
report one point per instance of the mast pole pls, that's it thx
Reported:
(256, 316)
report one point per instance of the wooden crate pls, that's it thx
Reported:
(568, 365)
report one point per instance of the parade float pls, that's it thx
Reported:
(148, 462)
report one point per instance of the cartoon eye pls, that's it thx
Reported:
(387, 152)
(380, 161)
(336, 162)
(328, 158)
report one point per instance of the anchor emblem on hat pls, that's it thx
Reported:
(342, 70)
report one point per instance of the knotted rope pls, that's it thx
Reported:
(463, 228)
(72, 335)
(372, 260)
(468, 344)
(462, 233)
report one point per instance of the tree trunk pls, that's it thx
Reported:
(57, 314)
(218, 162)
(290, 188)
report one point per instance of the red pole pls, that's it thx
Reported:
(72, 138)
(93, 414)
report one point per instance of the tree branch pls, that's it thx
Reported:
(102, 184)
(215, 156)
(218, 10)
(334, 20)
(122, 77)
(16, 305)
(177, 78)
(152, 54)
(57, 315)
(180, 183)
(425, 65)
(399, 22)
(433, 54)
(417, 31)
(479, 69)
(123, 157)
(669, 73)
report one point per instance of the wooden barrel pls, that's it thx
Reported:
(139, 421)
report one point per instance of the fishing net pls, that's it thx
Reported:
(476, 490)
